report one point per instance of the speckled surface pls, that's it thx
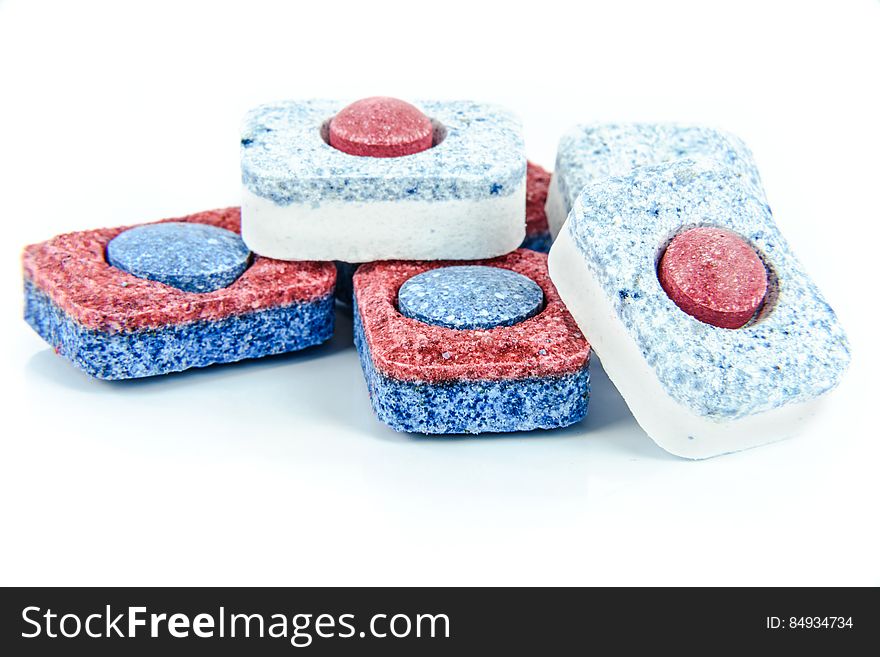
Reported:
(380, 126)
(114, 325)
(189, 256)
(177, 347)
(469, 297)
(466, 406)
(548, 344)
(285, 159)
(595, 151)
(537, 231)
(714, 275)
(794, 352)
(72, 270)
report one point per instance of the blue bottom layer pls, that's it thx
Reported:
(540, 242)
(137, 354)
(463, 406)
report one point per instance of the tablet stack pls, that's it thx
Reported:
(428, 223)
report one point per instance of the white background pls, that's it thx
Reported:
(276, 471)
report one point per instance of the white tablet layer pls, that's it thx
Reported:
(464, 198)
(592, 152)
(698, 390)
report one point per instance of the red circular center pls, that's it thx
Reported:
(714, 275)
(381, 127)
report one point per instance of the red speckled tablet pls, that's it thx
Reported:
(73, 271)
(714, 275)
(381, 127)
(547, 344)
(537, 184)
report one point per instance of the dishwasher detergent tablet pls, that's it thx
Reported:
(130, 302)
(591, 152)
(326, 181)
(469, 347)
(659, 267)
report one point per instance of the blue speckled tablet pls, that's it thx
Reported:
(470, 297)
(115, 326)
(189, 256)
(592, 152)
(697, 389)
(432, 379)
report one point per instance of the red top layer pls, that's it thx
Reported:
(537, 184)
(714, 275)
(548, 344)
(381, 127)
(72, 270)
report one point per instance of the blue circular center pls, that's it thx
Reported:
(470, 297)
(191, 257)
